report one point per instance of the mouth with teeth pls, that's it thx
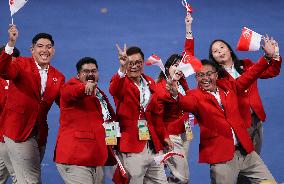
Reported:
(206, 84)
(44, 56)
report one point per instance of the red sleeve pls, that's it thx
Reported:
(189, 46)
(272, 71)
(71, 92)
(251, 75)
(57, 99)
(117, 85)
(8, 69)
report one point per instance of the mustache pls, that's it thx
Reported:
(90, 77)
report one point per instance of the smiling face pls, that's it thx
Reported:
(42, 52)
(135, 66)
(207, 77)
(88, 72)
(175, 74)
(221, 53)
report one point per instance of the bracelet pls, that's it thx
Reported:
(189, 32)
(267, 58)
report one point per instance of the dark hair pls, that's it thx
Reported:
(85, 60)
(237, 63)
(173, 59)
(16, 52)
(211, 63)
(134, 50)
(42, 35)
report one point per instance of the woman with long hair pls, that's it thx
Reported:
(174, 118)
(231, 67)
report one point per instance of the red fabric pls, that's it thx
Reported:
(119, 177)
(3, 97)
(251, 98)
(216, 139)
(24, 106)
(81, 136)
(173, 117)
(127, 100)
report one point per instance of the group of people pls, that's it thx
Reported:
(153, 116)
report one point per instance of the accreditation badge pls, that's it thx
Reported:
(143, 130)
(188, 130)
(110, 129)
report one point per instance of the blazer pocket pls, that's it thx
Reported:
(84, 135)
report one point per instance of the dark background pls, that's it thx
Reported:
(81, 28)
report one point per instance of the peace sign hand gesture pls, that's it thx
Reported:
(123, 59)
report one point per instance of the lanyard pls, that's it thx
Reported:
(105, 111)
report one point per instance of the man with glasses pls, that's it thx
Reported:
(224, 141)
(84, 109)
(142, 133)
(35, 86)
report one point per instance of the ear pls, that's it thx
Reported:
(77, 76)
(31, 49)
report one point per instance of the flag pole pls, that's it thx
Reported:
(12, 20)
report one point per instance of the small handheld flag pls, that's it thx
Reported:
(189, 64)
(160, 159)
(249, 40)
(15, 5)
(156, 60)
(186, 6)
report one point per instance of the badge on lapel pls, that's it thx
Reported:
(54, 79)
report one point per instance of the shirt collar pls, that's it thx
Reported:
(40, 68)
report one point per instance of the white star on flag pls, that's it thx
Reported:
(15, 5)
(189, 64)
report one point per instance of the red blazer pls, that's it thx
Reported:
(173, 117)
(216, 139)
(3, 97)
(24, 106)
(81, 136)
(127, 100)
(251, 98)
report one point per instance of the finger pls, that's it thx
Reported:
(118, 48)
(125, 47)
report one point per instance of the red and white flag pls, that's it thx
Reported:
(189, 64)
(155, 60)
(249, 40)
(186, 6)
(162, 158)
(120, 176)
(15, 5)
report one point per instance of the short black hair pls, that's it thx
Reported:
(172, 60)
(86, 60)
(42, 35)
(211, 63)
(134, 50)
(16, 52)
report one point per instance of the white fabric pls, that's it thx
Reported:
(8, 49)
(43, 77)
(121, 75)
(232, 71)
(218, 98)
(15, 5)
(144, 92)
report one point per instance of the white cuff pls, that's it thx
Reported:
(121, 75)
(8, 49)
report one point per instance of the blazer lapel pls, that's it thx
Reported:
(50, 80)
(212, 99)
(37, 81)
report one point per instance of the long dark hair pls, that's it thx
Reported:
(237, 63)
(173, 59)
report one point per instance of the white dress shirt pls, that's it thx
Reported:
(218, 98)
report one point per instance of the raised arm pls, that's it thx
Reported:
(189, 41)
(253, 73)
(118, 80)
(9, 69)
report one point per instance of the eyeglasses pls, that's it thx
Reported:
(207, 74)
(87, 71)
(134, 63)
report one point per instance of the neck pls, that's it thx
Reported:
(136, 80)
(43, 66)
(228, 63)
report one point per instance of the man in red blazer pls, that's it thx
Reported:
(224, 141)
(142, 134)
(35, 86)
(6, 168)
(84, 108)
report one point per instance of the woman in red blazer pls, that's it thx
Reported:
(250, 102)
(173, 116)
